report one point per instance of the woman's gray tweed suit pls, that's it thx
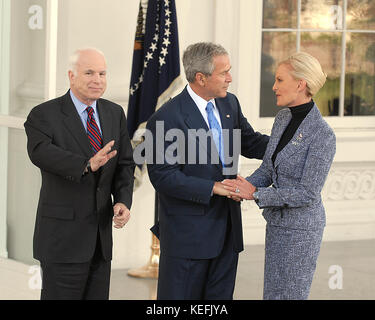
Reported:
(290, 193)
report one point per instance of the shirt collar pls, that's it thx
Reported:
(199, 101)
(80, 106)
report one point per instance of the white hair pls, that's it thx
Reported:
(75, 57)
(306, 67)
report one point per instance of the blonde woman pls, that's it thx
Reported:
(288, 184)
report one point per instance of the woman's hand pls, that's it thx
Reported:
(221, 190)
(239, 188)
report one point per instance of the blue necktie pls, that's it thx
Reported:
(216, 130)
(93, 131)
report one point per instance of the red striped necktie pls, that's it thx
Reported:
(93, 131)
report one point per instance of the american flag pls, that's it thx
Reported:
(156, 63)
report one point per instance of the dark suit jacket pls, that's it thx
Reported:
(192, 223)
(73, 207)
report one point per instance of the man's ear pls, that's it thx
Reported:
(71, 75)
(200, 79)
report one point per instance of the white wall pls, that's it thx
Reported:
(110, 25)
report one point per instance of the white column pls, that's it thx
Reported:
(4, 109)
(238, 27)
(51, 49)
(226, 33)
(29, 54)
(249, 57)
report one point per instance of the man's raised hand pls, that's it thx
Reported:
(102, 156)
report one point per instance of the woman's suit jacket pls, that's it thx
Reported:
(290, 188)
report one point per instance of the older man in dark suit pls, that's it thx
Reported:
(81, 145)
(199, 227)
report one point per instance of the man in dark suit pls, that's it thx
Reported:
(200, 228)
(80, 143)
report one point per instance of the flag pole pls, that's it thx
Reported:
(154, 80)
(151, 269)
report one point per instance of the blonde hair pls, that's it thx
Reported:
(306, 67)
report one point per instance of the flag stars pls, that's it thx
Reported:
(166, 42)
(164, 51)
(161, 61)
(159, 42)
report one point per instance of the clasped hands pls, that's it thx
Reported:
(120, 211)
(236, 189)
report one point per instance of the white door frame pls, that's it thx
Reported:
(10, 122)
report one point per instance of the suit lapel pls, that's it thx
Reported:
(279, 128)
(105, 121)
(225, 112)
(301, 138)
(226, 117)
(105, 118)
(74, 124)
(194, 120)
(193, 117)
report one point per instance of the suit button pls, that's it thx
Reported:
(97, 189)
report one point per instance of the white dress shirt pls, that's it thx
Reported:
(202, 104)
(81, 109)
